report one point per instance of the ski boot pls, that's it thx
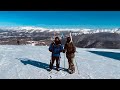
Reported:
(57, 69)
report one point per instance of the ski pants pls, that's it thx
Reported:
(57, 62)
(70, 58)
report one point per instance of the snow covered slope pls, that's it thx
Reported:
(31, 62)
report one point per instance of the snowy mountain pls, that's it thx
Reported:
(31, 62)
(31, 29)
(98, 40)
(83, 38)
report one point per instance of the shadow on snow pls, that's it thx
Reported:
(112, 55)
(38, 64)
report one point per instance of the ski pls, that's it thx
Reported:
(50, 72)
(53, 72)
(56, 72)
(50, 77)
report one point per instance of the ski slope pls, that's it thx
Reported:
(31, 62)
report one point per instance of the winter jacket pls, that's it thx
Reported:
(55, 49)
(70, 50)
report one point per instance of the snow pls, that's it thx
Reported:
(30, 62)
(31, 29)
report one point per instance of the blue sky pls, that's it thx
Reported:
(68, 19)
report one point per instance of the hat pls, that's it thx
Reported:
(56, 37)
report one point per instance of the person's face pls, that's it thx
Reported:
(56, 39)
(68, 39)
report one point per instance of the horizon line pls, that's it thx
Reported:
(61, 26)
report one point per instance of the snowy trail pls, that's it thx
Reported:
(31, 62)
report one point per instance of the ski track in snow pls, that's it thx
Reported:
(30, 62)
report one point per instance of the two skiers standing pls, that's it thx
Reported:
(56, 48)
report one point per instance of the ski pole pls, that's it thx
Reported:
(64, 60)
(77, 66)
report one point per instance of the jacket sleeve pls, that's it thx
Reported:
(61, 48)
(74, 48)
(65, 47)
(50, 48)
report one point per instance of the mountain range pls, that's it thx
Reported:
(83, 38)
(75, 30)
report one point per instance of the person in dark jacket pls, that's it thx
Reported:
(55, 47)
(70, 50)
(18, 42)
